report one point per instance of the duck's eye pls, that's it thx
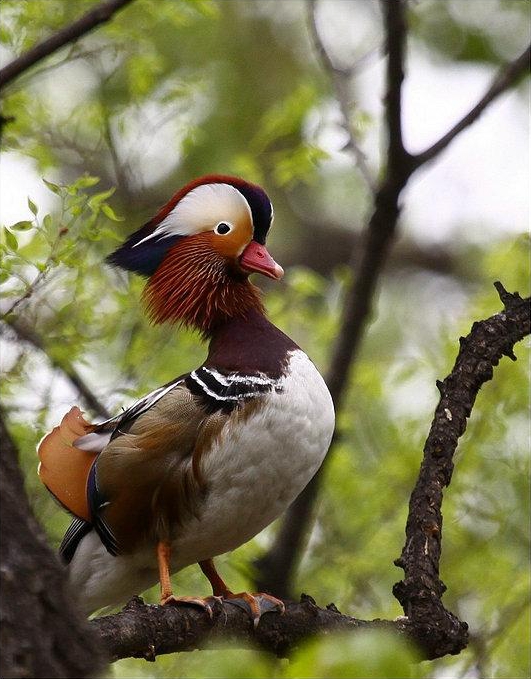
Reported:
(222, 228)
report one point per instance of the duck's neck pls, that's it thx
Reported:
(195, 286)
(250, 344)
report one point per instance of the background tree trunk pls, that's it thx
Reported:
(42, 635)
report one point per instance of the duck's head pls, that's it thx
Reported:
(199, 250)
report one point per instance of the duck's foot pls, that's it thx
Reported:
(208, 603)
(255, 605)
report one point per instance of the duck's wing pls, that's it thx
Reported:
(68, 452)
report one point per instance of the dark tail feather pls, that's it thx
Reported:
(73, 536)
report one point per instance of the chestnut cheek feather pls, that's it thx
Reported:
(194, 286)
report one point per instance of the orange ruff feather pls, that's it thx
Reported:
(193, 286)
(63, 468)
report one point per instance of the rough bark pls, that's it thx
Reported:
(146, 631)
(42, 635)
(421, 591)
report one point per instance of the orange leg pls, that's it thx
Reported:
(253, 604)
(219, 588)
(163, 558)
(166, 592)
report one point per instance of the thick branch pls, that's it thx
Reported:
(275, 569)
(421, 590)
(148, 631)
(506, 78)
(98, 15)
(143, 631)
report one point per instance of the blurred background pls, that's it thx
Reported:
(106, 130)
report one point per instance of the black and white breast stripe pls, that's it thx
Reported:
(225, 391)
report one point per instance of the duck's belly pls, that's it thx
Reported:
(258, 468)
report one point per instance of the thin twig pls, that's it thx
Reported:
(341, 80)
(98, 15)
(506, 77)
(121, 169)
(39, 279)
(71, 55)
(31, 337)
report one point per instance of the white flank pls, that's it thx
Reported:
(255, 470)
(202, 209)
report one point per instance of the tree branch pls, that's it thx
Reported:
(98, 15)
(506, 77)
(31, 337)
(275, 569)
(421, 590)
(39, 279)
(340, 79)
(147, 631)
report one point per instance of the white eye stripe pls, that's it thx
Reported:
(202, 209)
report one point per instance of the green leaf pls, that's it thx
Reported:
(97, 199)
(54, 188)
(22, 226)
(5, 35)
(47, 222)
(372, 653)
(111, 214)
(11, 241)
(85, 181)
(34, 209)
(109, 234)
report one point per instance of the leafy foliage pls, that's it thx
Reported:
(175, 89)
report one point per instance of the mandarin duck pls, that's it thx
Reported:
(202, 464)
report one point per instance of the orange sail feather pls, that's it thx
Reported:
(63, 468)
